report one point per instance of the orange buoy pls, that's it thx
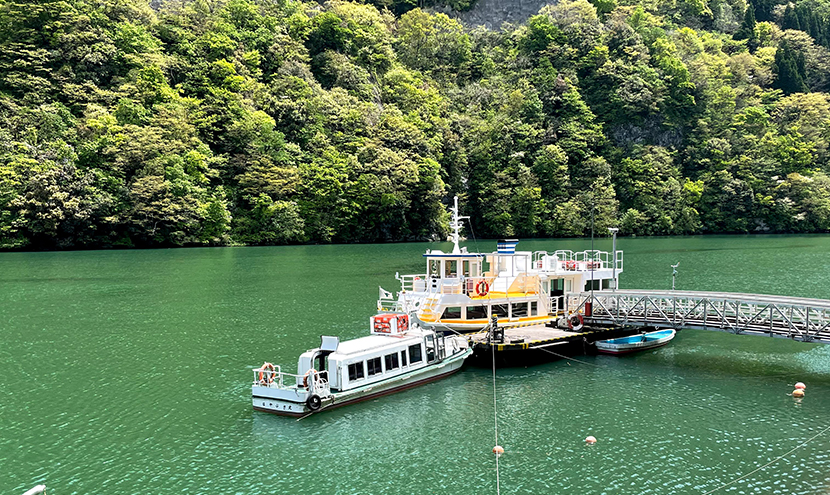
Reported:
(800, 386)
(798, 393)
(498, 450)
(590, 440)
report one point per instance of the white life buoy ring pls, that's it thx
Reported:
(266, 374)
(575, 322)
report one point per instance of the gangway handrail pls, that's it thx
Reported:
(797, 318)
(722, 295)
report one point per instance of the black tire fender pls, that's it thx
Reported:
(314, 402)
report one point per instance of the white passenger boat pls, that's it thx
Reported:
(462, 290)
(393, 357)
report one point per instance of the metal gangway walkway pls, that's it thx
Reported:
(802, 319)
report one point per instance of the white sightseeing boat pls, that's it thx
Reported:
(393, 358)
(462, 290)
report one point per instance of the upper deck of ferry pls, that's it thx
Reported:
(455, 273)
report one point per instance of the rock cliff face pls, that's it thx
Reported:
(493, 13)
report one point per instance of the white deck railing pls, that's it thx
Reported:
(316, 383)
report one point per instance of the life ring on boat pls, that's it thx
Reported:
(314, 402)
(266, 374)
(482, 288)
(313, 374)
(575, 322)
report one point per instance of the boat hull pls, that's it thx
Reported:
(624, 346)
(296, 408)
(619, 352)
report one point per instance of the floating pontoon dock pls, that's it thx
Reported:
(533, 343)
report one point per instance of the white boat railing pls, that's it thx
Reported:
(390, 305)
(413, 283)
(566, 260)
(316, 382)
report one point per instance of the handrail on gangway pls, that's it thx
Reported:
(795, 318)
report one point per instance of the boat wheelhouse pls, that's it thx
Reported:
(461, 290)
(393, 357)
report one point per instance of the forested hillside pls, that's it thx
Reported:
(268, 122)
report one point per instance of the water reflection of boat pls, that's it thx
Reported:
(634, 343)
(394, 357)
(462, 290)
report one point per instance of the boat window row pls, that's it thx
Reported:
(392, 361)
(514, 310)
(438, 268)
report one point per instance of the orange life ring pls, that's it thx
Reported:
(580, 322)
(482, 288)
(266, 373)
(307, 373)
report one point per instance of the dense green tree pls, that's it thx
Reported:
(243, 121)
(747, 29)
(790, 19)
(789, 70)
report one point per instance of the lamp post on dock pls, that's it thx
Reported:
(614, 231)
(674, 274)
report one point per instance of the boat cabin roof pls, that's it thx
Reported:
(451, 255)
(376, 342)
(437, 253)
(440, 254)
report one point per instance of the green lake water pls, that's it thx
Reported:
(128, 372)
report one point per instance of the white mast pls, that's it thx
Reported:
(455, 225)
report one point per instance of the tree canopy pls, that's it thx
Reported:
(215, 122)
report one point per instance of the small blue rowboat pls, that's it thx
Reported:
(634, 343)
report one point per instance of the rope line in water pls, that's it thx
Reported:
(495, 410)
(562, 356)
(805, 442)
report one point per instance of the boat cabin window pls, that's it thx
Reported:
(500, 310)
(434, 268)
(519, 310)
(453, 312)
(391, 361)
(403, 358)
(429, 340)
(356, 371)
(415, 353)
(534, 308)
(373, 366)
(595, 283)
(503, 263)
(476, 312)
(451, 268)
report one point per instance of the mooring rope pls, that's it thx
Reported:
(470, 223)
(822, 432)
(495, 409)
(562, 356)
